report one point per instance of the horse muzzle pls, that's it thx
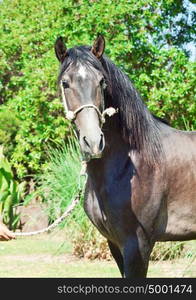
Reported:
(92, 147)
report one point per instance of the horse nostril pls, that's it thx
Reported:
(101, 144)
(86, 142)
(96, 146)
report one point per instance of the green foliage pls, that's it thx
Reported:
(61, 181)
(28, 80)
(173, 250)
(10, 192)
(171, 90)
(144, 38)
(9, 126)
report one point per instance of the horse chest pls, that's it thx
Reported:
(96, 213)
(106, 200)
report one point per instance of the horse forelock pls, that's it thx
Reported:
(81, 55)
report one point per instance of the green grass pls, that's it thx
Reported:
(33, 246)
(46, 266)
(50, 255)
(60, 182)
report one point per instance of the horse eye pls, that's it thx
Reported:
(65, 84)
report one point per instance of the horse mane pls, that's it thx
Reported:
(137, 123)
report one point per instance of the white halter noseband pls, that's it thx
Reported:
(71, 115)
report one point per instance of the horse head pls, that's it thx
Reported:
(82, 85)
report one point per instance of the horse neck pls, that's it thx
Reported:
(115, 140)
(118, 143)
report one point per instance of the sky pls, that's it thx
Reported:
(191, 46)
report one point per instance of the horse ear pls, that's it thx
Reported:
(60, 49)
(98, 46)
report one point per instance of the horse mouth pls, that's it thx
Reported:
(96, 156)
(88, 156)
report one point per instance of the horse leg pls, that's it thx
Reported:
(136, 255)
(117, 256)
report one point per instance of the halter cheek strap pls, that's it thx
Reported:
(71, 115)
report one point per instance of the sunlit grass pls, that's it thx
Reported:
(50, 255)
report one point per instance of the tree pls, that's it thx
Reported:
(145, 39)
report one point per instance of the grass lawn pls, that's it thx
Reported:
(50, 255)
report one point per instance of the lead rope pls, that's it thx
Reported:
(69, 209)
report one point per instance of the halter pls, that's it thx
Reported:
(71, 115)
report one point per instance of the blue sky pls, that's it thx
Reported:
(191, 46)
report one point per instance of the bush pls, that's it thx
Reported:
(9, 127)
(91, 244)
(145, 39)
(173, 250)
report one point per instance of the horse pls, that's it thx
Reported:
(141, 185)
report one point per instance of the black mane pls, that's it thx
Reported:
(136, 121)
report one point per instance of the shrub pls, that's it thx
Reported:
(145, 39)
(9, 127)
(90, 244)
